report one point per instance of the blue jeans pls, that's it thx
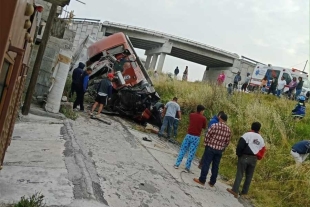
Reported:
(298, 92)
(279, 92)
(210, 156)
(190, 142)
(175, 127)
(167, 123)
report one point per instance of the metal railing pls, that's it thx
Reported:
(172, 37)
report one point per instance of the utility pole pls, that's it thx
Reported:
(305, 65)
(37, 63)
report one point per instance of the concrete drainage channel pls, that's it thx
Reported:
(81, 169)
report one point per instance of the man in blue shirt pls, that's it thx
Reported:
(300, 151)
(237, 79)
(81, 89)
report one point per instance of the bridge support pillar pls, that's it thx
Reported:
(161, 61)
(148, 61)
(154, 61)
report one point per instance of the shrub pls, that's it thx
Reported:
(35, 200)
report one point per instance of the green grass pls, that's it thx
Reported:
(277, 182)
(36, 200)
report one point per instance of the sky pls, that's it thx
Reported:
(273, 32)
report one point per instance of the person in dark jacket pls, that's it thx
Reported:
(273, 86)
(300, 151)
(76, 77)
(299, 87)
(81, 89)
(176, 72)
(250, 148)
(104, 93)
(300, 109)
(237, 79)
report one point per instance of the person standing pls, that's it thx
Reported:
(221, 78)
(176, 72)
(104, 92)
(250, 148)
(81, 89)
(292, 85)
(171, 108)
(300, 151)
(281, 86)
(299, 87)
(263, 84)
(185, 74)
(197, 122)
(76, 77)
(273, 86)
(156, 76)
(237, 79)
(216, 140)
(246, 82)
(213, 120)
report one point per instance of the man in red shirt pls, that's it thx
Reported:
(197, 122)
(216, 140)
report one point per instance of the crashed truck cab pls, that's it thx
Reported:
(133, 92)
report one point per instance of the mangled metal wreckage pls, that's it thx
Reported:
(133, 94)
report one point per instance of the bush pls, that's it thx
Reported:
(276, 182)
(35, 200)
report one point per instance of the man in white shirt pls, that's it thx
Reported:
(170, 110)
(281, 85)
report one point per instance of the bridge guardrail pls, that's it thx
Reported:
(161, 34)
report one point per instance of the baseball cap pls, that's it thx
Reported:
(110, 75)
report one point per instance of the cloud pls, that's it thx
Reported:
(275, 32)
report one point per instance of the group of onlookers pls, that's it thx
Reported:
(185, 73)
(250, 147)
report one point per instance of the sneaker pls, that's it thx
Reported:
(98, 116)
(75, 109)
(198, 181)
(91, 114)
(210, 184)
(176, 167)
(232, 192)
(187, 170)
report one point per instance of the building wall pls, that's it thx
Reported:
(15, 59)
(241, 65)
(84, 28)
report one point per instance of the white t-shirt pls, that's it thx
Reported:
(281, 84)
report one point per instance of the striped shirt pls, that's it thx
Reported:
(218, 136)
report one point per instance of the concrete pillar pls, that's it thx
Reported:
(154, 61)
(161, 62)
(148, 61)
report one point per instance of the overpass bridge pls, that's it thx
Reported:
(157, 44)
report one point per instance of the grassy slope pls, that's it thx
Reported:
(276, 181)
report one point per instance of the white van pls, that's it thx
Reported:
(261, 71)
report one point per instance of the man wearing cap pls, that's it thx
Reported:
(216, 140)
(171, 108)
(197, 122)
(104, 92)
